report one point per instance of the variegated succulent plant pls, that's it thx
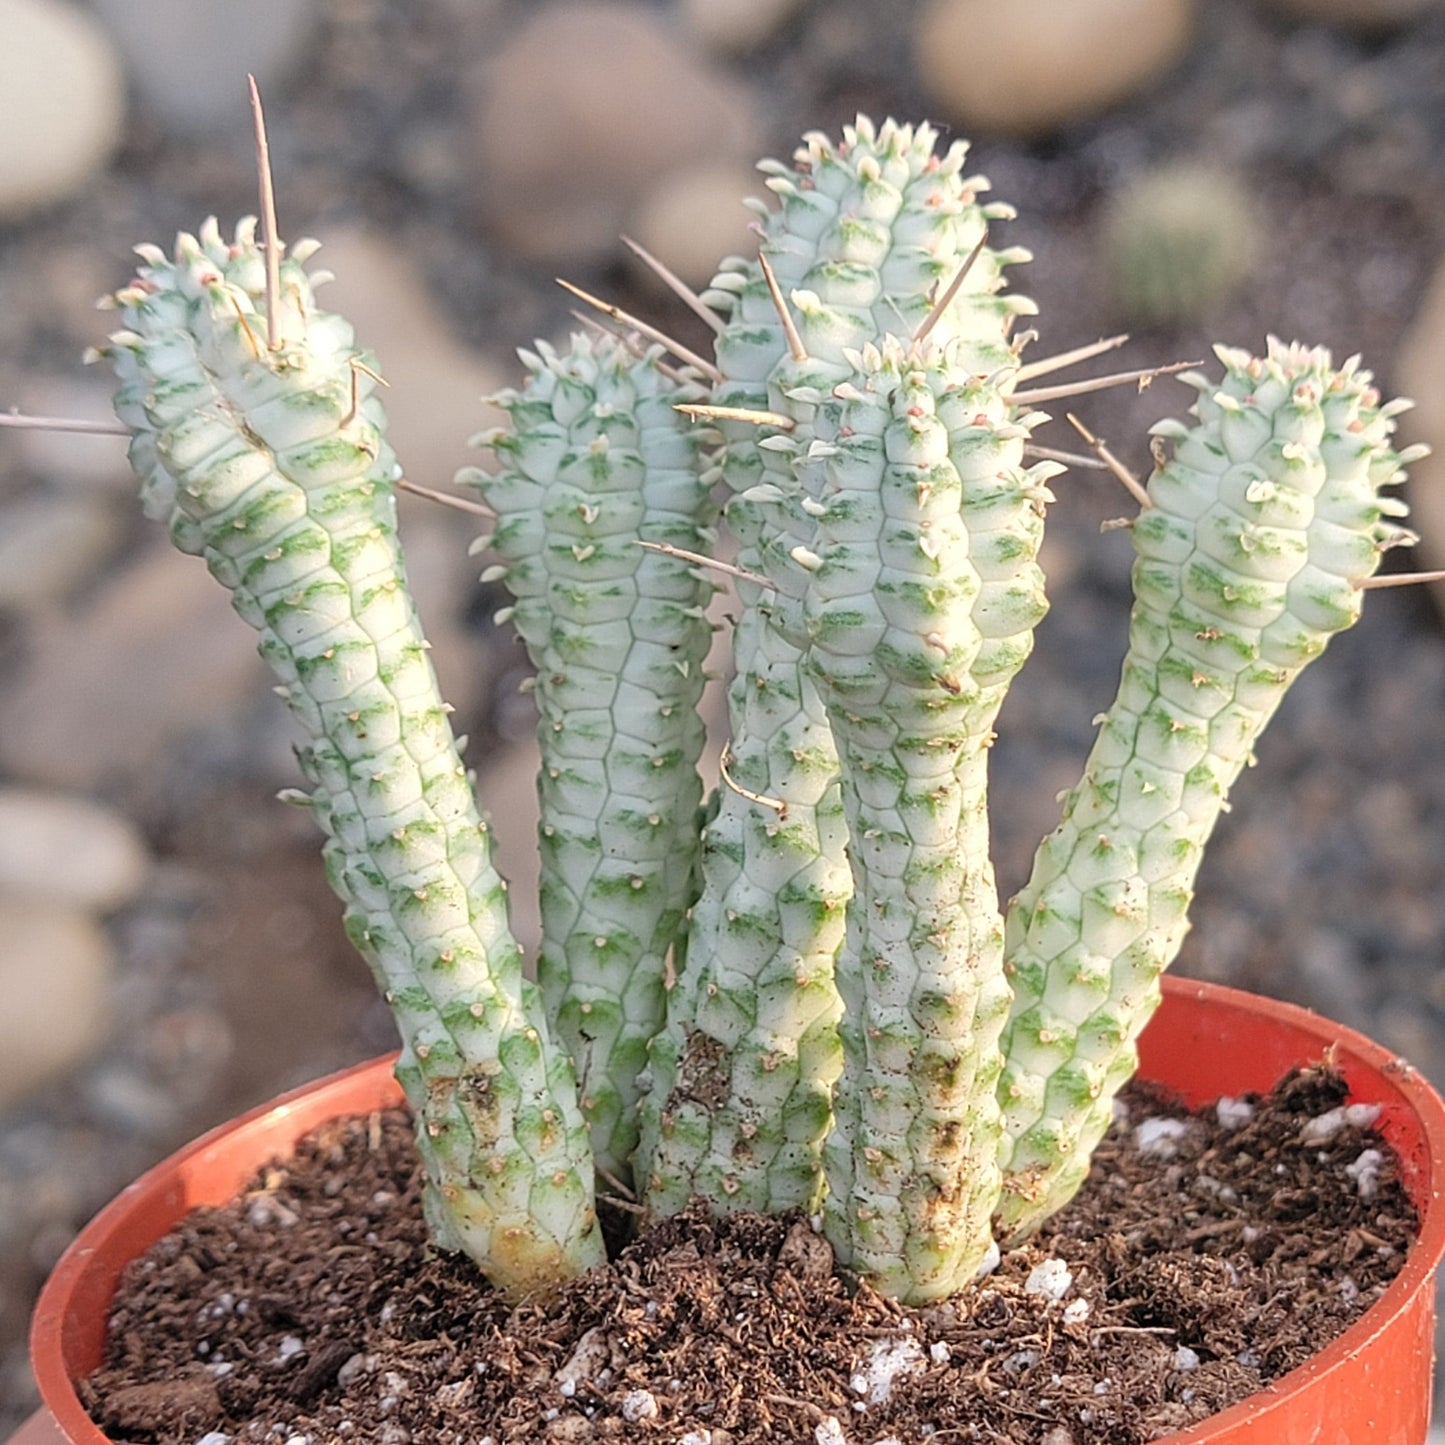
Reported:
(804, 993)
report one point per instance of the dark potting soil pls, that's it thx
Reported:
(1207, 1255)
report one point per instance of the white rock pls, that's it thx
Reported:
(1027, 68)
(582, 113)
(62, 103)
(152, 656)
(691, 219)
(54, 971)
(734, 27)
(1185, 1358)
(1051, 1279)
(190, 58)
(50, 545)
(68, 849)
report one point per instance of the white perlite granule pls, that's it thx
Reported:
(639, 1405)
(1233, 1113)
(829, 1432)
(887, 1360)
(1159, 1136)
(1365, 1171)
(1076, 1311)
(989, 1262)
(1323, 1127)
(1051, 1280)
(1185, 1358)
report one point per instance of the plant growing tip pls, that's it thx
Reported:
(801, 992)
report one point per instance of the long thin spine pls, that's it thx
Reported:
(1261, 529)
(271, 463)
(595, 460)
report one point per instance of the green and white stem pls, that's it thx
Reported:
(923, 593)
(866, 233)
(595, 459)
(1259, 532)
(266, 456)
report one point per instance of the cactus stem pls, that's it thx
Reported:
(946, 300)
(796, 349)
(1071, 459)
(631, 342)
(1132, 484)
(1398, 579)
(21, 422)
(1070, 358)
(675, 284)
(1144, 377)
(271, 245)
(625, 318)
(446, 499)
(776, 804)
(739, 413)
(712, 563)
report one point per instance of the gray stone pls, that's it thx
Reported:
(50, 545)
(54, 970)
(1027, 68)
(583, 112)
(734, 27)
(1421, 374)
(190, 58)
(693, 218)
(436, 384)
(119, 681)
(75, 461)
(1361, 17)
(62, 103)
(68, 850)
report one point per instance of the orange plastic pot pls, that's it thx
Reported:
(1370, 1387)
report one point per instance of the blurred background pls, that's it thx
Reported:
(1189, 172)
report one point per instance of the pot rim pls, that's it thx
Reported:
(75, 1284)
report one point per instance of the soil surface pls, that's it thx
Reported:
(1207, 1256)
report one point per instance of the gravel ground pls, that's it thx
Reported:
(230, 978)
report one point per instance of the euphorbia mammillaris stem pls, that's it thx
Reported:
(272, 465)
(596, 459)
(866, 232)
(1259, 531)
(920, 606)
